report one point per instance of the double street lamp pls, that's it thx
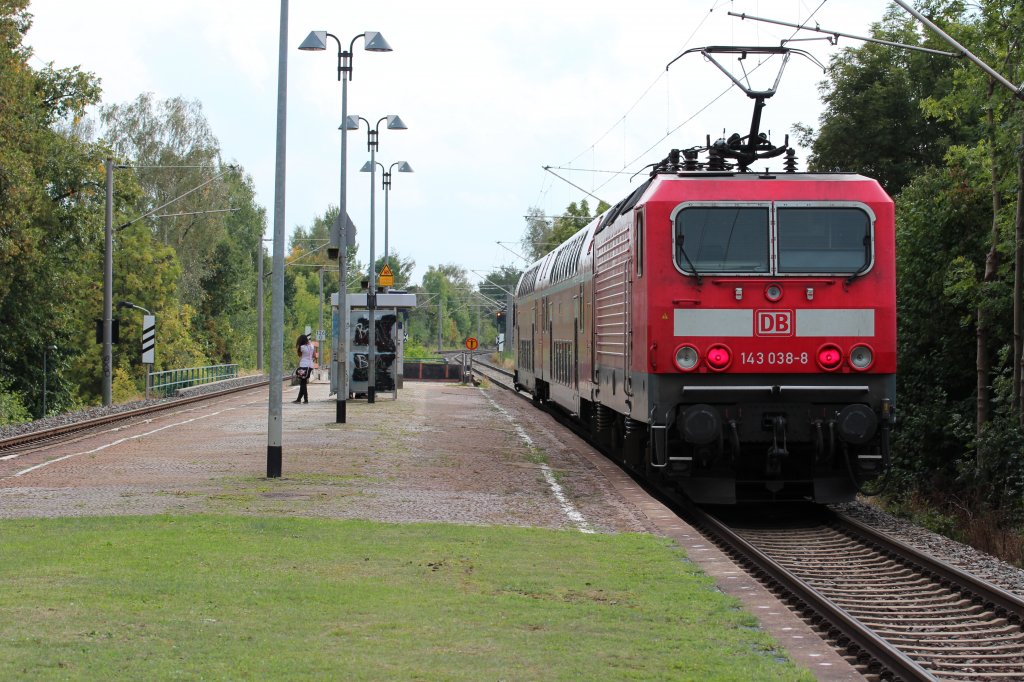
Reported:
(372, 135)
(317, 41)
(403, 167)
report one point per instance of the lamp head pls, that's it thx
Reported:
(396, 123)
(351, 122)
(125, 304)
(375, 42)
(367, 167)
(316, 40)
(404, 167)
(51, 348)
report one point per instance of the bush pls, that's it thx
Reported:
(12, 409)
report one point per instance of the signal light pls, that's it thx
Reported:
(829, 357)
(719, 357)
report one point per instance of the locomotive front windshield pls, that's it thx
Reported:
(723, 238)
(750, 239)
(831, 239)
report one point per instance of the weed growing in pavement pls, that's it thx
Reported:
(535, 455)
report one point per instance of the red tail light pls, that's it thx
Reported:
(718, 357)
(829, 357)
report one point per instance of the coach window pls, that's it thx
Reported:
(825, 239)
(721, 238)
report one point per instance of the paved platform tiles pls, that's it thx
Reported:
(439, 453)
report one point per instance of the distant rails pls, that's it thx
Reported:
(27, 442)
(496, 375)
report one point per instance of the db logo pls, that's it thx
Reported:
(774, 323)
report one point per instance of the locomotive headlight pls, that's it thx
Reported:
(773, 292)
(719, 357)
(861, 357)
(829, 357)
(686, 358)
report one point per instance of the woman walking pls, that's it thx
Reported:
(305, 350)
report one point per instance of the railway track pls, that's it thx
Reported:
(893, 611)
(897, 613)
(28, 442)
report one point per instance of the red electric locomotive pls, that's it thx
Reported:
(730, 331)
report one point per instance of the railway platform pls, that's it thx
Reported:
(439, 453)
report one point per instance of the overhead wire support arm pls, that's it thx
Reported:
(835, 35)
(517, 255)
(548, 169)
(1018, 91)
(180, 196)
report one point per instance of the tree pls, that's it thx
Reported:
(873, 122)
(175, 156)
(536, 240)
(48, 205)
(500, 282)
(542, 234)
(445, 304)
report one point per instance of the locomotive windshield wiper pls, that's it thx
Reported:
(700, 278)
(867, 261)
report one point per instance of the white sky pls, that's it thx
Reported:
(491, 93)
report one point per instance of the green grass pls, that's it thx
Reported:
(223, 597)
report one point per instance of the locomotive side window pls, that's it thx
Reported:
(638, 240)
(722, 239)
(823, 239)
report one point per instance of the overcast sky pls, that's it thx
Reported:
(491, 92)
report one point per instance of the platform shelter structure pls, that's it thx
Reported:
(390, 341)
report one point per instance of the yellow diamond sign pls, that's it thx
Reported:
(386, 277)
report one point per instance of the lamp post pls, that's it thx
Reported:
(148, 338)
(46, 351)
(372, 134)
(403, 167)
(317, 41)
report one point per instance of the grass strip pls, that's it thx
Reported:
(223, 597)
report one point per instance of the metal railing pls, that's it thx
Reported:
(167, 382)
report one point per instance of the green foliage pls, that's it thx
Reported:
(48, 206)
(500, 283)
(874, 122)
(124, 387)
(12, 409)
(938, 133)
(543, 234)
(940, 234)
(415, 350)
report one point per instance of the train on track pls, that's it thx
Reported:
(729, 331)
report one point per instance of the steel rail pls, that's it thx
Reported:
(56, 432)
(860, 637)
(1003, 602)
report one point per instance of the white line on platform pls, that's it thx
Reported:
(118, 442)
(570, 511)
